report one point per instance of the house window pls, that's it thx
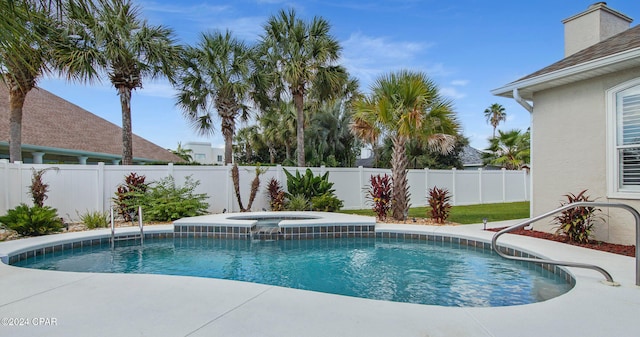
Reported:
(624, 158)
(200, 157)
(219, 158)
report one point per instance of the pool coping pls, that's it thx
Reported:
(203, 307)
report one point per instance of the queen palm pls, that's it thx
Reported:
(301, 54)
(401, 105)
(494, 115)
(215, 76)
(115, 40)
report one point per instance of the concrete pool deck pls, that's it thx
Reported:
(85, 304)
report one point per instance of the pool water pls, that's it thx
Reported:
(403, 271)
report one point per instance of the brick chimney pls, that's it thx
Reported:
(596, 24)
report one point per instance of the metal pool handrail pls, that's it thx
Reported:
(527, 222)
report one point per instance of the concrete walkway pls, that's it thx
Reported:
(84, 304)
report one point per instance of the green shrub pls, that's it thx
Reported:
(326, 203)
(576, 223)
(95, 219)
(308, 185)
(439, 203)
(164, 201)
(32, 221)
(297, 203)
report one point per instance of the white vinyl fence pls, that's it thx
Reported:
(76, 189)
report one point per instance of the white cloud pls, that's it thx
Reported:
(452, 93)
(460, 83)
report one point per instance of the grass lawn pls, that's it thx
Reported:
(468, 214)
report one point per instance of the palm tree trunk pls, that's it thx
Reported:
(235, 177)
(299, 103)
(127, 135)
(400, 199)
(16, 102)
(228, 127)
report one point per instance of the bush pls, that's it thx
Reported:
(297, 203)
(576, 223)
(166, 202)
(326, 203)
(439, 203)
(128, 196)
(95, 219)
(308, 185)
(32, 221)
(38, 188)
(379, 194)
(276, 195)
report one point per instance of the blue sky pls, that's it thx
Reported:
(468, 47)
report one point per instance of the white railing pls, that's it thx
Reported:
(79, 188)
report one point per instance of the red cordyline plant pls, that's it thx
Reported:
(576, 223)
(439, 203)
(380, 193)
(128, 194)
(276, 195)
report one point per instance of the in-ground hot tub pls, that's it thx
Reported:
(276, 225)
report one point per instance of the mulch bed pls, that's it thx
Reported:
(597, 245)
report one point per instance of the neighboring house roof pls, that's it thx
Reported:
(471, 157)
(53, 125)
(619, 52)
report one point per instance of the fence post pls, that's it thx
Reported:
(362, 186)
(453, 186)
(480, 185)
(526, 190)
(229, 195)
(5, 183)
(504, 184)
(100, 187)
(170, 169)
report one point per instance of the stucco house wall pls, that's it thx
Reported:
(569, 145)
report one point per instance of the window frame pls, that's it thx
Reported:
(614, 190)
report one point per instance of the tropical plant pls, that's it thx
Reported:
(129, 195)
(114, 39)
(276, 195)
(298, 55)
(495, 114)
(297, 202)
(94, 219)
(255, 185)
(405, 105)
(38, 188)
(379, 194)
(326, 203)
(577, 223)
(329, 141)
(215, 75)
(308, 185)
(511, 150)
(439, 203)
(166, 201)
(32, 221)
(34, 42)
(183, 153)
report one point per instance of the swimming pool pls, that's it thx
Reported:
(391, 269)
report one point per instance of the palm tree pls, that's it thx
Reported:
(405, 105)
(510, 150)
(215, 73)
(117, 41)
(183, 153)
(33, 42)
(301, 54)
(494, 115)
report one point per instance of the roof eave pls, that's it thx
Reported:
(608, 64)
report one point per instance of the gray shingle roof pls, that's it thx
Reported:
(52, 122)
(627, 40)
